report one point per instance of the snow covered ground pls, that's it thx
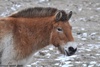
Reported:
(86, 31)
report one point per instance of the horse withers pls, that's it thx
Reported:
(25, 32)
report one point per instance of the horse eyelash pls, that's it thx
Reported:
(59, 29)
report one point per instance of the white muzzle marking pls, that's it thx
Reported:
(70, 48)
(70, 44)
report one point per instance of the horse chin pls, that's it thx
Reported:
(68, 53)
(63, 51)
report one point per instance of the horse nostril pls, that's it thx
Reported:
(71, 49)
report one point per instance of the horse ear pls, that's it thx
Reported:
(58, 15)
(69, 15)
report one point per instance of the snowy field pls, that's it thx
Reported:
(86, 31)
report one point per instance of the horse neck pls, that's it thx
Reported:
(38, 31)
(43, 29)
(29, 35)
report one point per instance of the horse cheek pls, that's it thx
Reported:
(54, 39)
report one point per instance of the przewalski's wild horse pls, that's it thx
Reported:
(25, 32)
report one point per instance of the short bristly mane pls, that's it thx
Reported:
(39, 12)
(35, 12)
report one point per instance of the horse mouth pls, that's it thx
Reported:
(66, 52)
(69, 53)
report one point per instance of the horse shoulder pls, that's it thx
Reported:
(5, 33)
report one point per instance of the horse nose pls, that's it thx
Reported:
(71, 51)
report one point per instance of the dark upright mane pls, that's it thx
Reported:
(35, 12)
(39, 12)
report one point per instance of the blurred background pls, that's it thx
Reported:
(85, 27)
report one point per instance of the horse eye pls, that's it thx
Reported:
(59, 29)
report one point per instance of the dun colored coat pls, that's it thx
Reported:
(25, 32)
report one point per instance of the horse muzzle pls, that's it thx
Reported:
(70, 51)
(69, 48)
